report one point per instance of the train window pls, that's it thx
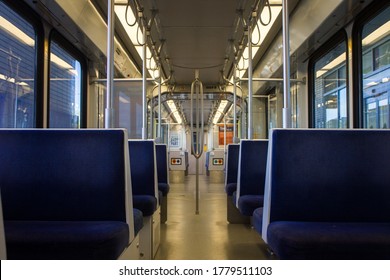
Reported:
(375, 57)
(17, 70)
(127, 104)
(129, 108)
(65, 88)
(329, 72)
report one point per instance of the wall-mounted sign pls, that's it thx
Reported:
(174, 140)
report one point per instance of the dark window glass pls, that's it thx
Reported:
(65, 88)
(330, 91)
(17, 70)
(376, 71)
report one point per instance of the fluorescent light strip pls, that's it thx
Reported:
(331, 65)
(275, 10)
(120, 11)
(16, 32)
(174, 110)
(25, 39)
(60, 62)
(378, 34)
(220, 111)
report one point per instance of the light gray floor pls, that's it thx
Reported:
(206, 236)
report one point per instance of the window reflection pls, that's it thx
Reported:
(330, 91)
(17, 70)
(376, 71)
(65, 88)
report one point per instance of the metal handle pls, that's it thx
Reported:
(197, 150)
(197, 88)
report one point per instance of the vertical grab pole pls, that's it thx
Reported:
(250, 84)
(197, 151)
(286, 67)
(224, 135)
(144, 73)
(109, 110)
(234, 104)
(159, 106)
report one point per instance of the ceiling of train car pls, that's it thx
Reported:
(197, 36)
(187, 35)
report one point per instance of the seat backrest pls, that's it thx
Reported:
(65, 175)
(162, 163)
(143, 167)
(186, 160)
(233, 151)
(3, 251)
(251, 167)
(207, 162)
(328, 176)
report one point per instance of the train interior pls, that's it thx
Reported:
(198, 77)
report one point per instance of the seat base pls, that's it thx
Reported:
(132, 252)
(65, 240)
(233, 214)
(164, 209)
(249, 203)
(325, 240)
(147, 204)
(257, 220)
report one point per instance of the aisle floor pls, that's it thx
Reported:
(207, 236)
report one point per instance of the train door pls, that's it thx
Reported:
(260, 118)
(377, 111)
(192, 160)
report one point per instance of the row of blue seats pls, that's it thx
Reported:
(326, 194)
(149, 178)
(71, 194)
(163, 179)
(245, 173)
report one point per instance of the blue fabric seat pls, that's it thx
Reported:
(64, 193)
(326, 240)
(61, 240)
(247, 204)
(147, 204)
(233, 215)
(145, 193)
(162, 176)
(230, 188)
(327, 194)
(251, 175)
(3, 253)
(187, 162)
(143, 180)
(207, 163)
(164, 188)
(233, 151)
(138, 221)
(160, 197)
(257, 220)
(162, 168)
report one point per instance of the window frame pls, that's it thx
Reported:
(32, 18)
(369, 13)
